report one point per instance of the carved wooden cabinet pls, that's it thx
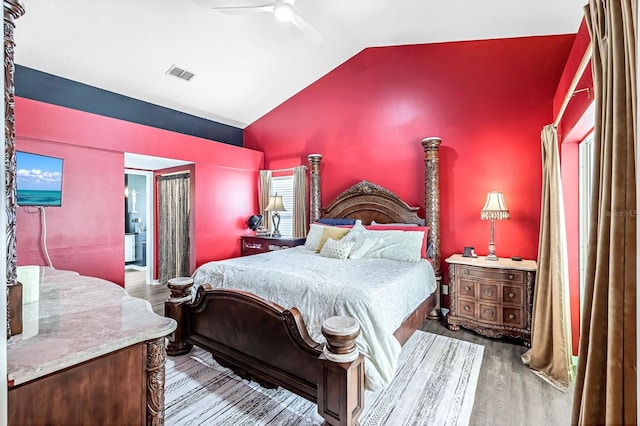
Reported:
(250, 244)
(493, 298)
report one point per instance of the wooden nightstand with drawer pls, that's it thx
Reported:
(250, 244)
(492, 298)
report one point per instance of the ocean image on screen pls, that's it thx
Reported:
(38, 180)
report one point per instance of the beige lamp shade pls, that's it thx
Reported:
(275, 204)
(495, 208)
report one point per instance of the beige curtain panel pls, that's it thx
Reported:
(265, 190)
(299, 202)
(550, 354)
(173, 227)
(606, 390)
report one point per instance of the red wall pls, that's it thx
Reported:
(86, 233)
(212, 220)
(577, 121)
(487, 100)
(78, 237)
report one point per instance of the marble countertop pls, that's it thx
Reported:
(76, 319)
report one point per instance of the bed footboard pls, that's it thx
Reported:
(261, 341)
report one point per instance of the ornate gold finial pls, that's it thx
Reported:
(431, 146)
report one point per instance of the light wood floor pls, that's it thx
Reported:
(508, 393)
(136, 285)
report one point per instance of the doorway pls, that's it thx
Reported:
(140, 232)
(139, 226)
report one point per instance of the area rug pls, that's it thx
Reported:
(435, 384)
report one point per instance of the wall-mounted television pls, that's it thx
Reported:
(38, 180)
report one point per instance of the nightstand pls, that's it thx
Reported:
(492, 298)
(250, 244)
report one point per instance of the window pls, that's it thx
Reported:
(586, 185)
(283, 186)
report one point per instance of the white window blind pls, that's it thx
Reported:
(283, 186)
(586, 184)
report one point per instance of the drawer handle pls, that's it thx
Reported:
(511, 316)
(510, 276)
(512, 295)
(467, 288)
(467, 308)
(466, 272)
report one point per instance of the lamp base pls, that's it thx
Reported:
(491, 256)
(276, 223)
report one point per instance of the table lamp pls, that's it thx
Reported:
(494, 209)
(275, 205)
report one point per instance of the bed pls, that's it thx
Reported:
(262, 341)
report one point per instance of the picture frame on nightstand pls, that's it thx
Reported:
(469, 252)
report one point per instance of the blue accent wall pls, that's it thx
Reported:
(44, 87)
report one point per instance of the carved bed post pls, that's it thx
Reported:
(432, 210)
(315, 199)
(341, 373)
(13, 9)
(175, 308)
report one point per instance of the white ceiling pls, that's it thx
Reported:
(246, 65)
(148, 162)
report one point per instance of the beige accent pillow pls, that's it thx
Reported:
(336, 249)
(333, 233)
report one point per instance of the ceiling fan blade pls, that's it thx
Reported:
(245, 9)
(306, 28)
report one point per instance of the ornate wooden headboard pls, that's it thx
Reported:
(367, 202)
(370, 202)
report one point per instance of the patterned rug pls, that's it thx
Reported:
(435, 384)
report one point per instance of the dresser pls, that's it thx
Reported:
(89, 354)
(492, 298)
(250, 244)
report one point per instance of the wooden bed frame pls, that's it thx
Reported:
(261, 341)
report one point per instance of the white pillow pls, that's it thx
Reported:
(374, 223)
(337, 249)
(313, 237)
(397, 245)
(356, 234)
(370, 240)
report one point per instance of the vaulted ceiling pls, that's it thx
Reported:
(245, 65)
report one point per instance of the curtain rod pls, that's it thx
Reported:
(284, 170)
(181, 172)
(574, 83)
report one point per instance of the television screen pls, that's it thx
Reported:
(38, 180)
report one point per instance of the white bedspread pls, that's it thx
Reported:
(379, 293)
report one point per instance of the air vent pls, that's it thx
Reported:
(180, 73)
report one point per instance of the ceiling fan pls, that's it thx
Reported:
(282, 10)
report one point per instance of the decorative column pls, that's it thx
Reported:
(315, 199)
(432, 210)
(156, 358)
(13, 9)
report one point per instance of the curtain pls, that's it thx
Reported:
(299, 202)
(173, 227)
(605, 390)
(265, 190)
(550, 354)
